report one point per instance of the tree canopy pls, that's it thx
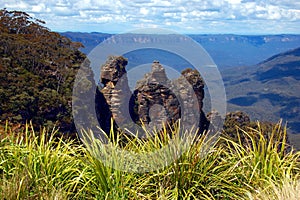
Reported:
(37, 72)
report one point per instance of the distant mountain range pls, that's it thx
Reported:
(269, 90)
(226, 50)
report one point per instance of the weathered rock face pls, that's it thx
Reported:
(113, 70)
(196, 81)
(156, 104)
(190, 88)
(156, 101)
(115, 90)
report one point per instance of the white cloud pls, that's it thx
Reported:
(15, 4)
(234, 1)
(144, 11)
(181, 15)
(64, 11)
(38, 8)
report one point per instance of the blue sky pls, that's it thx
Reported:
(183, 16)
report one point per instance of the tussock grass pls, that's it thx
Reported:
(38, 165)
(288, 188)
(43, 166)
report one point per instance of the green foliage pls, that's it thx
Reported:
(37, 71)
(38, 165)
(286, 188)
(41, 166)
(262, 159)
(237, 125)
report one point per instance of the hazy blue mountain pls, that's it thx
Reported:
(269, 90)
(226, 50)
(89, 40)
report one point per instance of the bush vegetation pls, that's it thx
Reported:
(39, 165)
(37, 72)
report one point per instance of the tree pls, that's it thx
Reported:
(37, 72)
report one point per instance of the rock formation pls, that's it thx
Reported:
(114, 94)
(190, 88)
(156, 104)
(156, 101)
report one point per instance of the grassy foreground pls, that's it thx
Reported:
(41, 166)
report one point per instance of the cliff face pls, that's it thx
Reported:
(116, 90)
(115, 93)
(155, 101)
(190, 88)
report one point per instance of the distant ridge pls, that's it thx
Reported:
(268, 91)
(227, 50)
(295, 52)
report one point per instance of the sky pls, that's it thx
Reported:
(183, 16)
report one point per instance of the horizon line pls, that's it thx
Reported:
(239, 34)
